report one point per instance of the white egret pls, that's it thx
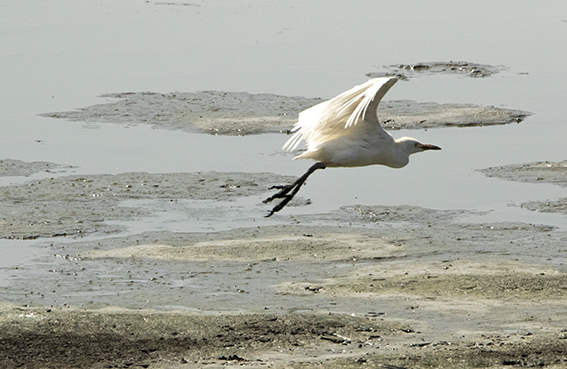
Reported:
(345, 132)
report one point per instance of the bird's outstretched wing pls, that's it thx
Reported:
(331, 118)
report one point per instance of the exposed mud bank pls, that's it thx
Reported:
(241, 113)
(465, 69)
(420, 289)
(66, 338)
(63, 338)
(387, 286)
(550, 206)
(214, 112)
(407, 114)
(240, 266)
(538, 172)
(18, 168)
(390, 286)
(78, 205)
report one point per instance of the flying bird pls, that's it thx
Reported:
(345, 132)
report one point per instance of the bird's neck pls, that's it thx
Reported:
(400, 155)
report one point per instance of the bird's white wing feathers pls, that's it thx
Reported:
(331, 118)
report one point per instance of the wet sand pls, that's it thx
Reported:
(365, 285)
(66, 338)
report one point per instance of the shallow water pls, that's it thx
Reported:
(60, 55)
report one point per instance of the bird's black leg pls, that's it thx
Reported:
(287, 192)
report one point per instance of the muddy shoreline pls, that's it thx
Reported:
(363, 285)
(69, 339)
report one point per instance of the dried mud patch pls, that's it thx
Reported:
(402, 213)
(375, 286)
(465, 69)
(458, 280)
(550, 206)
(18, 168)
(65, 338)
(55, 338)
(214, 112)
(328, 247)
(488, 352)
(511, 314)
(78, 205)
(538, 172)
(232, 113)
(245, 269)
(407, 114)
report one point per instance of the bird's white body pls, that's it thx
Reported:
(345, 132)
(362, 149)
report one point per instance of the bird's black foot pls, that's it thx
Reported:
(287, 192)
(281, 194)
(280, 206)
(279, 187)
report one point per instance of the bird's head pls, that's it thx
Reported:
(411, 145)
